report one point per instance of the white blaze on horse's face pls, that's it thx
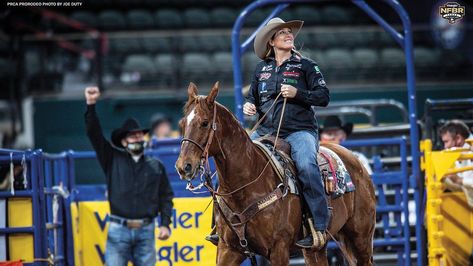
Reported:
(190, 116)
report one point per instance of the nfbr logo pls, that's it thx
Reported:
(452, 12)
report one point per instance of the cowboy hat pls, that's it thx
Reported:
(264, 35)
(130, 125)
(334, 122)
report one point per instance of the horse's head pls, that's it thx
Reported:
(196, 126)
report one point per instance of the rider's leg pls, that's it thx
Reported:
(304, 147)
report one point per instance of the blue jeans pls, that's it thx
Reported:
(125, 244)
(304, 149)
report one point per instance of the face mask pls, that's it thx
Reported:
(136, 148)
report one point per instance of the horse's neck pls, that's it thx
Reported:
(241, 162)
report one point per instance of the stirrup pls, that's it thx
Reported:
(213, 238)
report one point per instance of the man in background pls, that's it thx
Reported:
(138, 189)
(334, 131)
(454, 134)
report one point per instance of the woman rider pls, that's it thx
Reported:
(299, 80)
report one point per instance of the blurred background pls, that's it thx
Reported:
(143, 53)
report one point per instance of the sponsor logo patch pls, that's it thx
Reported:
(264, 76)
(291, 74)
(262, 87)
(289, 66)
(452, 12)
(267, 68)
(317, 70)
(322, 82)
(289, 81)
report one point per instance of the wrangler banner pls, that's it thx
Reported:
(186, 246)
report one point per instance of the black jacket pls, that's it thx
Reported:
(300, 72)
(136, 190)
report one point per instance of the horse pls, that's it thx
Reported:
(210, 129)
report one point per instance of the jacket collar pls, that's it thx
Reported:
(295, 57)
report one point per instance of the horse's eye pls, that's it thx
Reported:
(205, 124)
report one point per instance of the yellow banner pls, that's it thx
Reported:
(186, 246)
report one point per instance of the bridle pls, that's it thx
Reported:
(239, 228)
(204, 166)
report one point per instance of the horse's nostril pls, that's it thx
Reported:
(187, 167)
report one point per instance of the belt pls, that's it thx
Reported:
(130, 223)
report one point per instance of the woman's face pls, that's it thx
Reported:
(283, 39)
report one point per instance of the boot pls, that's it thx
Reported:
(316, 239)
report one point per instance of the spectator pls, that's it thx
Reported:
(453, 135)
(161, 128)
(138, 189)
(334, 131)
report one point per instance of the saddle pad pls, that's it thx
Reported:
(344, 181)
(282, 164)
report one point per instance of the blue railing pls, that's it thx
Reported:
(404, 40)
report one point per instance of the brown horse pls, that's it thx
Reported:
(273, 231)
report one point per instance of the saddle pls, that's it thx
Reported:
(333, 172)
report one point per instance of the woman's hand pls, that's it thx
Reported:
(288, 91)
(249, 109)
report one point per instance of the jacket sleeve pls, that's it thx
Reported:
(165, 199)
(102, 147)
(252, 96)
(317, 94)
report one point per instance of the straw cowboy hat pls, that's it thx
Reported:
(130, 125)
(264, 35)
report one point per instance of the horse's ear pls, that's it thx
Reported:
(213, 94)
(192, 91)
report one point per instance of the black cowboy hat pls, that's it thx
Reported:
(334, 122)
(130, 125)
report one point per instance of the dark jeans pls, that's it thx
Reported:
(124, 243)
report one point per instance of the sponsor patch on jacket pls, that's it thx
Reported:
(291, 74)
(317, 70)
(289, 81)
(262, 87)
(264, 76)
(322, 82)
(267, 68)
(289, 66)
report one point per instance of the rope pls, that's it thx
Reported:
(12, 175)
(262, 118)
(275, 142)
(342, 249)
(25, 170)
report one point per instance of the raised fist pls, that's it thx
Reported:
(92, 94)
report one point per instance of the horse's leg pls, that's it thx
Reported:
(363, 249)
(279, 254)
(313, 257)
(227, 256)
(359, 239)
